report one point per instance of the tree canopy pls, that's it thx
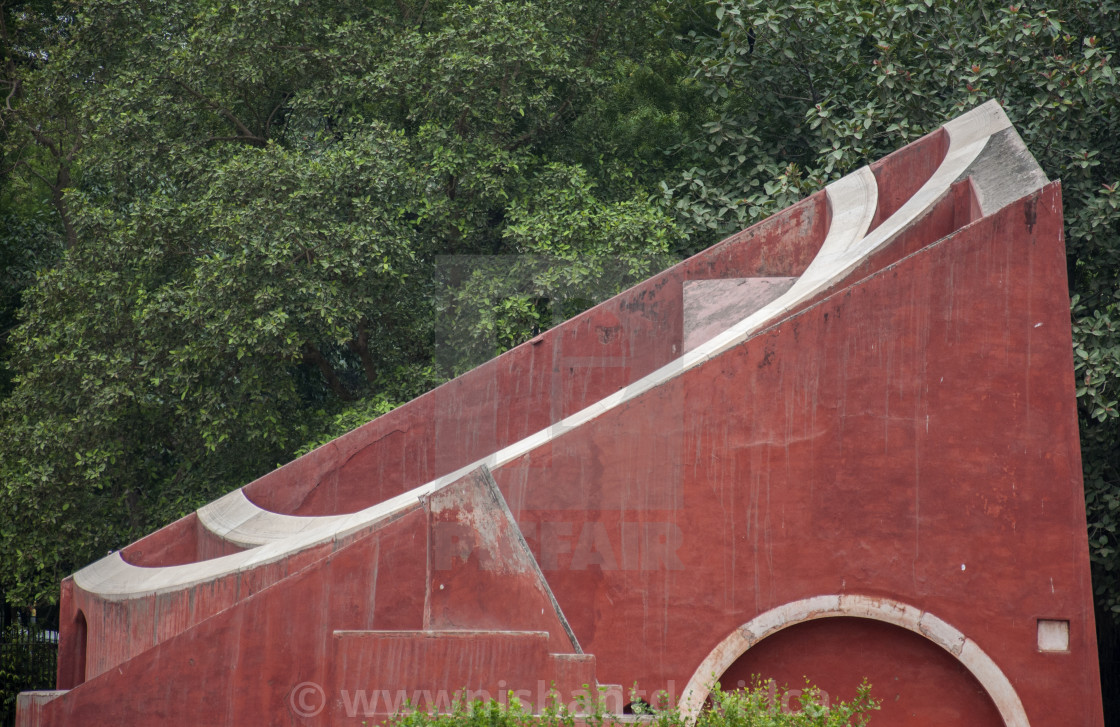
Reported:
(222, 223)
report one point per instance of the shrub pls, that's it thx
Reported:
(761, 705)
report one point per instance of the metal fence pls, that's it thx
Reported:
(28, 655)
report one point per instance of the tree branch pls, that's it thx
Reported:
(528, 135)
(246, 135)
(60, 183)
(58, 199)
(284, 97)
(360, 346)
(252, 141)
(315, 357)
(9, 61)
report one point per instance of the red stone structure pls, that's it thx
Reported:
(840, 444)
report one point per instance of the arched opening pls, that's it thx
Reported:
(76, 654)
(916, 682)
(725, 657)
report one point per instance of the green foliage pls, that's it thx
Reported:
(27, 240)
(401, 386)
(1096, 364)
(247, 205)
(28, 655)
(761, 705)
(802, 92)
(573, 248)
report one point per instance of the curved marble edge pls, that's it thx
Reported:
(271, 536)
(114, 579)
(234, 518)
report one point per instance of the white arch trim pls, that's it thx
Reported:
(971, 656)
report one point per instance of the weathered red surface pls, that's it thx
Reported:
(481, 573)
(374, 615)
(907, 434)
(183, 541)
(938, 433)
(901, 174)
(376, 669)
(231, 667)
(534, 385)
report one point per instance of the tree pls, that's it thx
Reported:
(254, 199)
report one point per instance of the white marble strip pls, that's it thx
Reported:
(272, 536)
